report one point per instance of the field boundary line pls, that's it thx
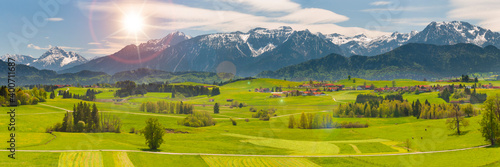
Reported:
(279, 156)
(55, 107)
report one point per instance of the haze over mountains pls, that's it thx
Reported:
(410, 61)
(260, 49)
(54, 59)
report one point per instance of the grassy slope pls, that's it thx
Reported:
(32, 121)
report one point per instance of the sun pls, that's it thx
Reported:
(133, 23)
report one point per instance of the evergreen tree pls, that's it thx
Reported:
(291, 122)
(95, 117)
(173, 92)
(216, 108)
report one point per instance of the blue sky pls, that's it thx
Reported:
(98, 28)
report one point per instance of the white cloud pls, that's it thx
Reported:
(263, 5)
(485, 11)
(313, 16)
(256, 13)
(32, 46)
(94, 43)
(380, 3)
(416, 21)
(403, 9)
(54, 19)
(70, 48)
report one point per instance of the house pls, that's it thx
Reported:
(263, 90)
(319, 94)
(333, 89)
(211, 100)
(275, 96)
(305, 85)
(314, 90)
(229, 100)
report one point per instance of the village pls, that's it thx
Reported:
(319, 89)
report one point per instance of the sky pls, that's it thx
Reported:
(102, 27)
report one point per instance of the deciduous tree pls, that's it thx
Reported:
(153, 132)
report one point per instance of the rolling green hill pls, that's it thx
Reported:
(411, 61)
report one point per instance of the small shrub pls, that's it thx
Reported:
(132, 130)
(233, 121)
(246, 120)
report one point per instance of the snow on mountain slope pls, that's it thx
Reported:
(57, 58)
(20, 59)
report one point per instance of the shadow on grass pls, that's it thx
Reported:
(151, 150)
(494, 146)
(461, 133)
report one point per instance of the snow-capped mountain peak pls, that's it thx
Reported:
(449, 33)
(57, 58)
(20, 59)
(165, 42)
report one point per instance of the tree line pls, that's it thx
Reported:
(129, 88)
(90, 95)
(320, 121)
(198, 119)
(363, 98)
(22, 97)
(167, 107)
(263, 114)
(397, 108)
(85, 118)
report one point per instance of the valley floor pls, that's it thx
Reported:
(251, 142)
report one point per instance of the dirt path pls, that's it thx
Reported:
(243, 155)
(355, 148)
(55, 107)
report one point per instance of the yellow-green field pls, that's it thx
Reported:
(252, 142)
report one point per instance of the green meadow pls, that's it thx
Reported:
(252, 142)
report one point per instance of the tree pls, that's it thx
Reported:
(457, 120)
(52, 95)
(216, 108)
(407, 144)
(153, 132)
(393, 83)
(349, 77)
(303, 121)
(490, 122)
(95, 117)
(233, 121)
(80, 126)
(468, 109)
(291, 122)
(354, 81)
(173, 92)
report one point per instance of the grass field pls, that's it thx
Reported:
(252, 137)
(214, 161)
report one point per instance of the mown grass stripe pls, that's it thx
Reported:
(215, 161)
(121, 159)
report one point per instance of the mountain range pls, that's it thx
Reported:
(55, 58)
(410, 61)
(259, 49)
